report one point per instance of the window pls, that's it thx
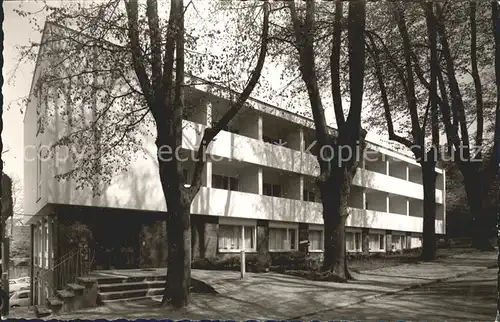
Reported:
(309, 195)
(226, 183)
(35, 245)
(353, 241)
(38, 173)
(273, 190)
(46, 235)
(316, 239)
(283, 239)
(415, 242)
(24, 295)
(39, 246)
(230, 237)
(399, 242)
(357, 241)
(377, 242)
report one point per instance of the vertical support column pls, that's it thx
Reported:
(301, 187)
(260, 132)
(301, 137)
(407, 206)
(208, 174)
(407, 172)
(364, 199)
(386, 158)
(387, 204)
(260, 181)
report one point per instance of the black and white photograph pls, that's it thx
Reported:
(304, 160)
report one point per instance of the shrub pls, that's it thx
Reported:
(253, 263)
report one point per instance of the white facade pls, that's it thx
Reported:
(385, 194)
(269, 181)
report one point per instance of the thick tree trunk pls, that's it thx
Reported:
(497, 319)
(336, 196)
(179, 257)
(178, 200)
(473, 188)
(429, 229)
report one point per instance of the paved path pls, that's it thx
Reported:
(472, 297)
(277, 296)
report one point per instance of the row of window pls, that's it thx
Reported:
(268, 189)
(41, 246)
(235, 237)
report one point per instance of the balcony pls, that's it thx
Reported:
(232, 146)
(389, 184)
(224, 203)
(242, 148)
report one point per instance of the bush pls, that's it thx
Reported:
(253, 263)
(316, 275)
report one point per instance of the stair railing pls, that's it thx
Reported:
(69, 267)
(75, 264)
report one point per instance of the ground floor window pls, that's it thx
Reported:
(353, 241)
(235, 237)
(376, 242)
(282, 239)
(316, 239)
(415, 242)
(399, 242)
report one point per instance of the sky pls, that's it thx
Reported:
(17, 31)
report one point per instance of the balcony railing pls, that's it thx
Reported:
(224, 203)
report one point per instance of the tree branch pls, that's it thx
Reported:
(137, 57)
(373, 51)
(210, 133)
(335, 64)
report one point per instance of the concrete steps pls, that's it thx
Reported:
(74, 296)
(125, 288)
(128, 294)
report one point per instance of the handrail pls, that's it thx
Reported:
(71, 265)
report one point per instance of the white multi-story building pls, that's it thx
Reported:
(258, 194)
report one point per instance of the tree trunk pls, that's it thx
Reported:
(429, 229)
(335, 215)
(179, 257)
(473, 188)
(178, 200)
(498, 270)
